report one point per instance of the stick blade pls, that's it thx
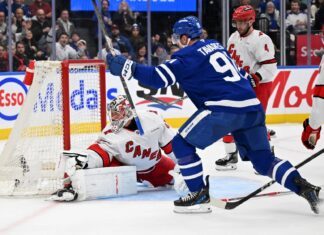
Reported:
(218, 203)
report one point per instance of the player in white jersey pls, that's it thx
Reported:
(120, 144)
(312, 125)
(253, 52)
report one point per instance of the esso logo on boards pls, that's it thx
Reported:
(12, 95)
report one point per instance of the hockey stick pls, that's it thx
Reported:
(231, 205)
(270, 194)
(159, 101)
(122, 79)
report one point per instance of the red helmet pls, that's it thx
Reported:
(244, 13)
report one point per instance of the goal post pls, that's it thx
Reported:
(66, 64)
(65, 108)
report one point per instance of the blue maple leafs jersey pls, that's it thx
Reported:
(207, 74)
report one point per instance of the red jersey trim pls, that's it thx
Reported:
(272, 61)
(319, 91)
(102, 153)
(167, 148)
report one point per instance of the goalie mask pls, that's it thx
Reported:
(119, 113)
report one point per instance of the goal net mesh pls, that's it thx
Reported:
(31, 162)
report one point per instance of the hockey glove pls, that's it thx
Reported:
(120, 66)
(64, 195)
(255, 79)
(310, 136)
(75, 161)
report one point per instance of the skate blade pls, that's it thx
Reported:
(195, 209)
(229, 167)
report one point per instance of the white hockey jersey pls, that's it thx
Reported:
(316, 118)
(129, 147)
(254, 53)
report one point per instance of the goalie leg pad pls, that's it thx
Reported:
(106, 182)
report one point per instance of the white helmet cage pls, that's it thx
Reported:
(119, 112)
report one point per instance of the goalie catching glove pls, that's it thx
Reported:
(310, 136)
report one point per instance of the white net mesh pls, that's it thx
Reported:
(30, 163)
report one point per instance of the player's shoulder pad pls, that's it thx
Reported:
(154, 114)
(108, 132)
(233, 35)
(262, 38)
(151, 116)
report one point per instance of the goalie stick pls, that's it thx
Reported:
(122, 79)
(231, 205)
(159, 101)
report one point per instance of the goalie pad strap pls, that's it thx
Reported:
(102, 153)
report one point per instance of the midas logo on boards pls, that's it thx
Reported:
(12, 96)
(82, 97)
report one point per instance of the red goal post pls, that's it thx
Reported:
(66, 64)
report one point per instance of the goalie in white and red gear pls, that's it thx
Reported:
(312, 125)
(253, 52)
(120, 144)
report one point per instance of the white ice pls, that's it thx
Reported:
(151, 212)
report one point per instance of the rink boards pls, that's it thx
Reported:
(290, 101)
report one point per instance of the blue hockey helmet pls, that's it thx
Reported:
(189, 26)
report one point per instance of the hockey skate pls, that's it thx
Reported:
(194, 202)
(309, 192)
(227, 163)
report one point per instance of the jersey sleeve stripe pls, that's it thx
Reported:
(234, 103)
(161, 75)
(169, 73)
(102, 153)
(319, 91)
(271, 61)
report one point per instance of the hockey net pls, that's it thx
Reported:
(65, 108)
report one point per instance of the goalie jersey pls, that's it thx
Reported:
(254, 53)
(207, 74)
(131, 148)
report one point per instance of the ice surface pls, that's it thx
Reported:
(150, 212)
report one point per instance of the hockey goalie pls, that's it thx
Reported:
(120, 144)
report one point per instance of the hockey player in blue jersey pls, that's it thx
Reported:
(226, 103)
